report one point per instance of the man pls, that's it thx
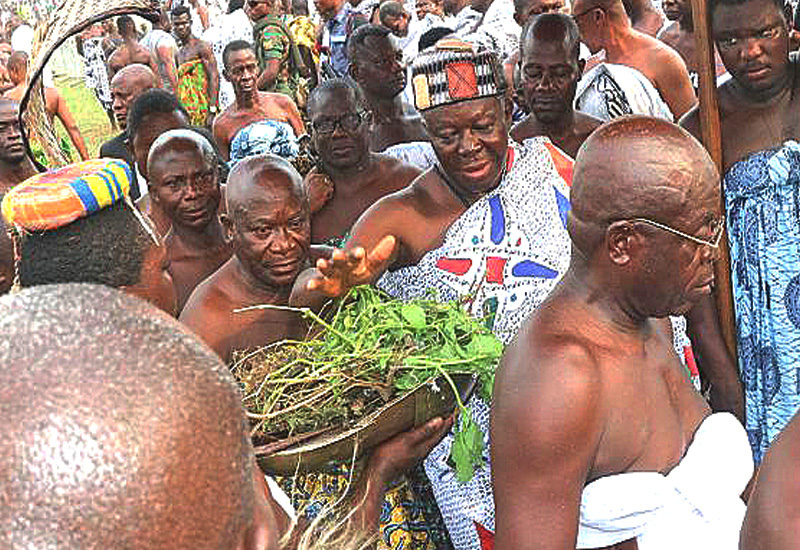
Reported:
(55, 104)
(130, 51)
(184, 184)
(771, 521)
(156, 455)
(353, 176)
(15, 164)
(198, 78)
(162, 47)
(618, 445)
(101, 239)
(550, 70)
(268, 227)
(644, 16)
(486, 225)
(604, 25)
(377, 66)
(753, 40)
(279, 61)
(433, 8)
(394, 17)
(680, 35)
(525, 9)
(128, 84)
(251, 105)
(340, 21)
(89, 43)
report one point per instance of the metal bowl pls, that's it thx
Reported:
(324, 452)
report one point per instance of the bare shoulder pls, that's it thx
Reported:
(399, 169)
(207, 298)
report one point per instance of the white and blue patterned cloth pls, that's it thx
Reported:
(262, 137)
(762, 199)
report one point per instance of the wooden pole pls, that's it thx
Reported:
(712, 140)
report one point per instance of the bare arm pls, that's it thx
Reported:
(167, 57)
(293, 114)
(674, 84)
(716, 365)
(210, 65)
(63, 114)
(221, 139)
(266, 80)
(545, 431)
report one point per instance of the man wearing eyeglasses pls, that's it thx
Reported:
(184, 184)
(349, 176)
(760, 125)
(604, 25)
(598, 436)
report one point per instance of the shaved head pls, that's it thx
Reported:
(181, 139)
(259, 173)
(136, 74)
(121, 429)
(636, 166)
(551, 27)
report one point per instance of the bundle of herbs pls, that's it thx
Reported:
(367, 350)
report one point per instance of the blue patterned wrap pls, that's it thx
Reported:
(762, 199)
(262, 137)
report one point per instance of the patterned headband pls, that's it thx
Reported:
(452, 71)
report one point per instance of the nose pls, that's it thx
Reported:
(545, 82)
(468, 144)
(282, 241)
(751, 49)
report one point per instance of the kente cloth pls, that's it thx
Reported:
(696, 506)
(610, 90)
(415, 153)
(504, 255)
(95, 71)
(261, 137)
(54, 199)
(192, 86)
(274, 41)
(404, 519)
(762, 202)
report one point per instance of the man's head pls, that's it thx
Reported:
(637, 183)
(240, 67)
(300, 7)
(183, 179)
(12, 150)
(752, 37)
(181, 19)
(17, 66)
(126, 27)
(339, 123)
(376, 64)
(394, 17)
(128, 84)
(597, 18)
(328, 8)
(122, 430)
(676, 9)
(434, 7)
(462, 98)
(525, 9)
(268, 220)
(550, 66)
(258, 9)
(150, 115)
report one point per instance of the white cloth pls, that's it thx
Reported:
(415, 153)
(464, 22)
(230, 27)
(610, 90)
(498, 31)
(694, 507)
(281, 498)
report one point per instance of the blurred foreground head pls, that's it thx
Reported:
(121, 429)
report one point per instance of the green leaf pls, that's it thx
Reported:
(414, 315)
(485, 344)
(467, 449)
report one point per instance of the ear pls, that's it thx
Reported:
(621, 241)
(227, 226)
(353, 70)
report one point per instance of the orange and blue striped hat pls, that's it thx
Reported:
(54, 199)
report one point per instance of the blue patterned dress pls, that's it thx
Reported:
(762, 200)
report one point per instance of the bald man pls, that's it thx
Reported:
(156, 456)
(268, 227)
(184, 185)
(15, 164)
(128, 84)
(130, 51)
(772, 521)
(598, 436)
(604, 25)
(550, 70)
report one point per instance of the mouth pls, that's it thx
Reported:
(706, 287)
(757, 72)
(477, 170)
(195, 214)
(286, 267)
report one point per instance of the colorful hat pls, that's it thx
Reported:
(452, 71)
(54, 199)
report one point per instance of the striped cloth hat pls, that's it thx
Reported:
(452, 71)
(54, 199)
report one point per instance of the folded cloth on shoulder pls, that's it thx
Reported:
(610, 90)
(696, 506)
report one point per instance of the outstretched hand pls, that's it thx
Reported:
(346, 269)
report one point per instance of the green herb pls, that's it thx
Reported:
(366, 350)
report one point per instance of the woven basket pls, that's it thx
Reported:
(70, 18)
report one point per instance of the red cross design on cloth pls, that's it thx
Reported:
(462, 83)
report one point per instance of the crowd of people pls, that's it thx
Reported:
(537, 160)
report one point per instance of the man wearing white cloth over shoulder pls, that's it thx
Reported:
(598, 437)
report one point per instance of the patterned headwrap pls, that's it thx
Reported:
(54, 199)
(452, 71)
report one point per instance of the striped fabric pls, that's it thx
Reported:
(453, 72)
(55, 199)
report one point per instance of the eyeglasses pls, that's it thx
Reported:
(348, 123)
(576, 16)
(718, 228)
